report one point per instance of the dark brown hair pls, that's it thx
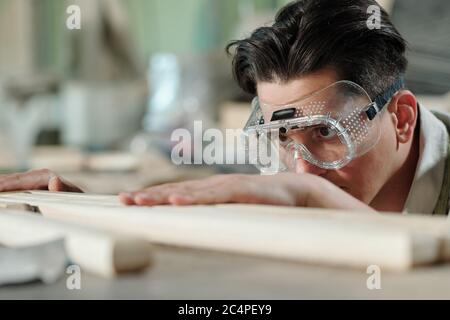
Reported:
(310, 35)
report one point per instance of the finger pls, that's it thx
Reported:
(33, 180)
(168, 187)
(151, 199)
(217, 189)
(127, 198)
(59, 184)
(173, 193)
(244, 193)
(142, 198)
(211, 196)
(159, 195)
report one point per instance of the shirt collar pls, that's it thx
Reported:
(428, 178)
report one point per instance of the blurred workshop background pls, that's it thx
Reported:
(98, 105)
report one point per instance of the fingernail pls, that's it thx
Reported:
(126, 195)
(146, 199)
(180, 198)
(145, 196)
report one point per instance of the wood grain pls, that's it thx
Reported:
(318, 236)
(96, 251)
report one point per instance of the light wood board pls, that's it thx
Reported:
(311, 235)
(96, 251)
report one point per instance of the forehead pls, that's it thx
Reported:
(282, 93)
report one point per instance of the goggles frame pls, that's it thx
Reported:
(284, 120)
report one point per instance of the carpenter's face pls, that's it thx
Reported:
(364, 176)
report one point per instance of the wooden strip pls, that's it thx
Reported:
(35, 197)
(95, 251)
(331, 237)
(435, 226)
(432, 225)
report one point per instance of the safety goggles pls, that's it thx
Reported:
(328, 128)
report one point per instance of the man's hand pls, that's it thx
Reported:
(36, 180)
(286, 189)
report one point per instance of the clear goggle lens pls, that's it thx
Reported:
(328, 128)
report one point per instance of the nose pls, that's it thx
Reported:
(303, 166)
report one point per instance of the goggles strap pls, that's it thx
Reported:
(380, 101)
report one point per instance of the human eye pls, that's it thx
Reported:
(287, 135)
(324, 133)
(284, 139)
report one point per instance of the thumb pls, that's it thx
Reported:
(57, 184)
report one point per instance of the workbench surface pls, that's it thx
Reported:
(197, 274)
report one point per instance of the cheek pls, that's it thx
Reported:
(361, 175)
(366, 175)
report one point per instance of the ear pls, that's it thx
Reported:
(403, 111)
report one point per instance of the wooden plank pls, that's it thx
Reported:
(437, 226)
(432, 225)
(295, 234)
(97, 251)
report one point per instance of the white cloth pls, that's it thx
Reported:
(426, 187)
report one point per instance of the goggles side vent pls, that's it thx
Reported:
(283, 114)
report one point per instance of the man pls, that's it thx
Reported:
(313, 48)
